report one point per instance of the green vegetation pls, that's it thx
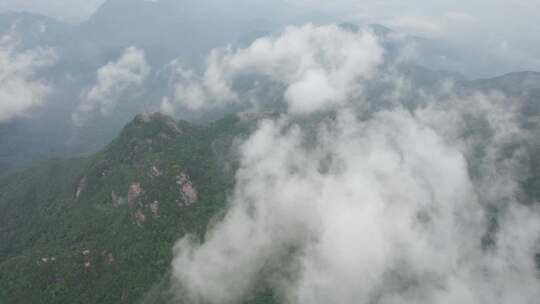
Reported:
(101, 229)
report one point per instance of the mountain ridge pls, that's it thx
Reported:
(75, 228)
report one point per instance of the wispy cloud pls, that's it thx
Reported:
(385, 206)
(114, 81)
(316, 66)
(21, 87)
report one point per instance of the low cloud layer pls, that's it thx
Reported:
(21, 87)
(115, 80)
(479, 38)
(316, 66)
(386, 206)
(472, 36)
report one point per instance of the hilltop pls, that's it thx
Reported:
(101, 229)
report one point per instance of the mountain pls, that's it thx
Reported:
(521, 87)
(166, 30)
(521, 90)
(101, 229)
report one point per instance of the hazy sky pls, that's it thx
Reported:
(495, 31)
(68, 10)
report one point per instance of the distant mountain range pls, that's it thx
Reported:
(165, 30)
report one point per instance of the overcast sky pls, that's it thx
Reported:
(67, 10)
(496, 31)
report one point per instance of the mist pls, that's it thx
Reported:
(472, 35)
(304, 150)
(22, 87)
(380, 206)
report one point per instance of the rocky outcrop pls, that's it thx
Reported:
(134, 192)
(188, 192)
(154, 209)
(154, 172)
(138, 218)
(81, 187)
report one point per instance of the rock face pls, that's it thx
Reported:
(189, 194)
(81, 187)
(155, 172)
(154, 208)
(134, 192)
(139, 217)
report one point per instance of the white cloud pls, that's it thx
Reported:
(114, 80)
(468, 31)
(387, 206)
(21, 88)
(317, 66)
(393, 216)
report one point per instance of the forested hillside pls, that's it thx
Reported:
(101, 229)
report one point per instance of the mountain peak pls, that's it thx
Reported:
(154, 124)
(377, 29)
(146, 133)
(380, 30)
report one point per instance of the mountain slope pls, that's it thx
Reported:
(521, 87)
(101, 229)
